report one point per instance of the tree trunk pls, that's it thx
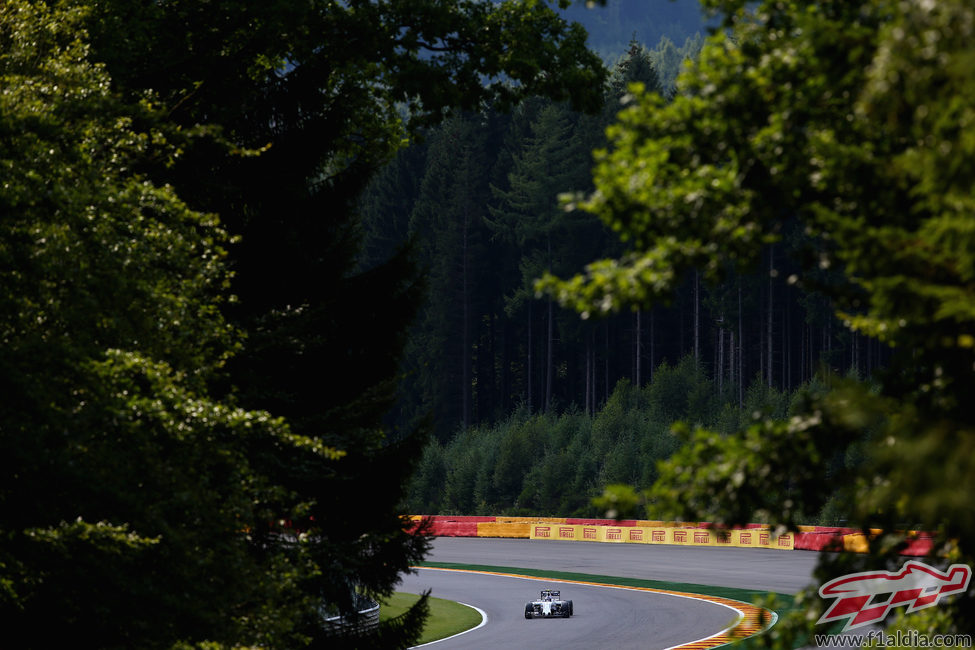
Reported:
(768, 334)
(606, 352)
(592, 382)
(786, 355)
(653, 356)
(505, 369)
(466, 334)
(550, 343)
(697, 318)
(803, 352)
(762, 373)
(731, 359)
(548, 359)
(741, 339)
(639, 352)
(588, 375)
(829, 336)
(528, 375)
(719, 366)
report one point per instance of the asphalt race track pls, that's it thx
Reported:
(603, 617)
(746, 568)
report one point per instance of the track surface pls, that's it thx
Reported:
(746, 568)
(603, 617)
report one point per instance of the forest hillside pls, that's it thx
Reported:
(535, 409)
(479, 198)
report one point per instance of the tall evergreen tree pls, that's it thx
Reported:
(386, 204)
(635, 66)
(553, 160)
(447, 221)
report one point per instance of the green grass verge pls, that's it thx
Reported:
(446, 617)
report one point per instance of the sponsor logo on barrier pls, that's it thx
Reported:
(543, 531)
(745, 539)
(636, 534)
(680, 536)
(763, 539)
(862, 598)
(785, 541)
(589, 533)
(614, 533)
(567, 532)
(723, 539)
(658, 535)
(701, 538)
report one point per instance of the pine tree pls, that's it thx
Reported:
(551, 161)
(447, 221)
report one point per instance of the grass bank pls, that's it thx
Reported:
(446, 617)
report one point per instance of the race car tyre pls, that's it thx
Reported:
(528, 611)
(570, 607)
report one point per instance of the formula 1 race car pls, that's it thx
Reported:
(549, 605)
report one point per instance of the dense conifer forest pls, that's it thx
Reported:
(560, 462)
(517, 385)
(485, 200)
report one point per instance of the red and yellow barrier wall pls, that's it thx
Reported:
(747, 538)
(635, 531)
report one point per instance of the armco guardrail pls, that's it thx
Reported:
(814, 538)
(365, 623)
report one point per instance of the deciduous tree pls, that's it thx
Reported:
(853, 118)
(138, 392)
(127, 492)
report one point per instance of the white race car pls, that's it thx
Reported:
(549, 605)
